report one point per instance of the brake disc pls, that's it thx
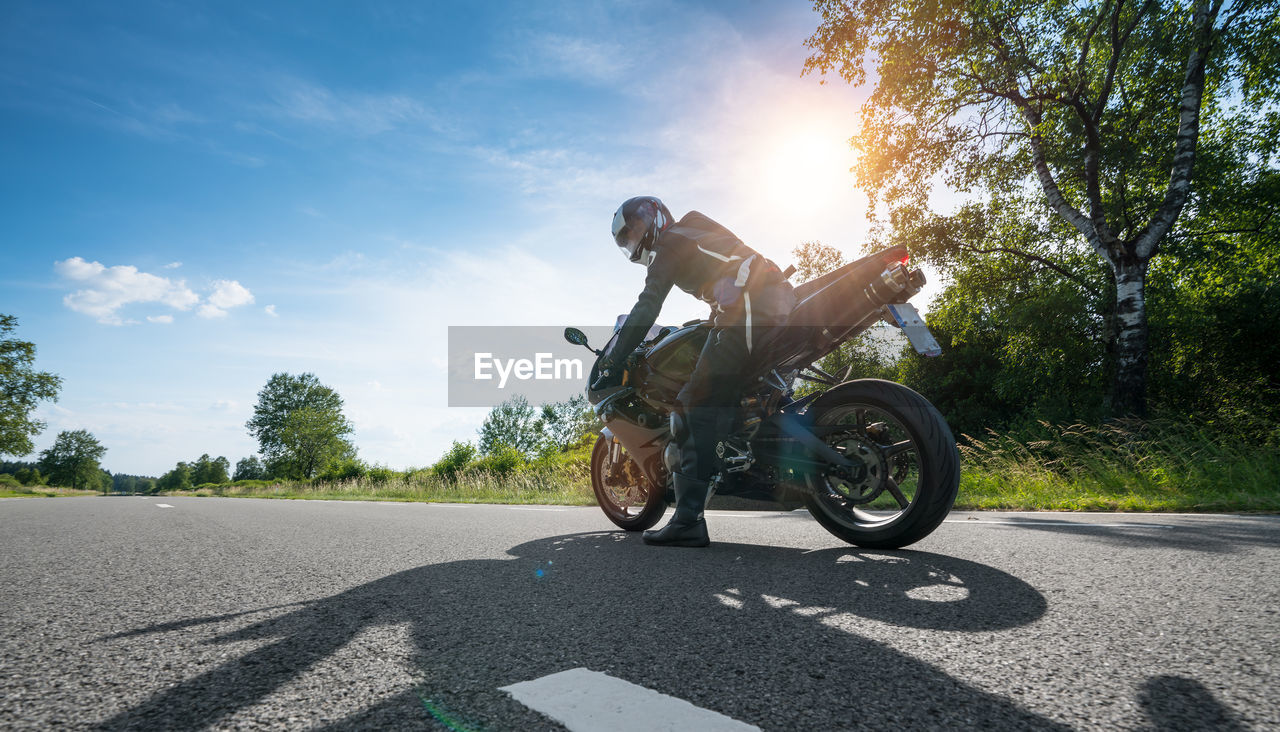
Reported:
(867, 479)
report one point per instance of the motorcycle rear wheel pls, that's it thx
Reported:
(911, 467)
(627, 497)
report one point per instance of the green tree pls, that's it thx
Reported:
(21, 389)
(311, 440)
(513, 423)
(1020, 340)
(133, 484)
(210, 470)
(1097, 106)
(298, 446)
(178, 479)
(566, 424)
(249, 468)
(30, 476)
(72, 460)
(1214, 297)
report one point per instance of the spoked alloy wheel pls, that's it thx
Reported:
(907, 468)
(625, 495)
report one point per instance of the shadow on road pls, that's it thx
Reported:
(764, 634)
(1175, 703)
(1222, 535)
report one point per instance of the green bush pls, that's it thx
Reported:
(579, 454)
(30, 476)
(504, 460)
(416, 475)
(457, 459)
(8, 481)
(383, 474)
(343, 469)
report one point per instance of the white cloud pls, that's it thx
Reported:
(159, 318)
(582, 59)
(173, 265)
(107, 289)
(271, 310)
(226, 294)
(352, 112)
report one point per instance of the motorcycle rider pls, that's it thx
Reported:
(748, 295)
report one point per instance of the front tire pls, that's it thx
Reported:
(626, 496)
(910, 467)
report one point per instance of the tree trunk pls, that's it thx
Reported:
(1129, 388)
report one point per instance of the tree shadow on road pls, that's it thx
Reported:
(1175, 703)
(764, 634)
(1221, 535)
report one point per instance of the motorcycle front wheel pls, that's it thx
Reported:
(626, 496)
(908, 468)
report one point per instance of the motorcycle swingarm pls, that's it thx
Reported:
(793, 427)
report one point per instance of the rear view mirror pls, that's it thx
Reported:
(575, 336)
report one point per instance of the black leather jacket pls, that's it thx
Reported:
(700, 257)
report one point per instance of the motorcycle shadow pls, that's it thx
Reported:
(768, 635)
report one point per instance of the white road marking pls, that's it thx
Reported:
(588, 701)
(1065, 524)
(164, 505)
(534, 508)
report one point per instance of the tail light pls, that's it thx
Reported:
(895, 255)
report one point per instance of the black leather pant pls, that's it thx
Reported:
(709, 402)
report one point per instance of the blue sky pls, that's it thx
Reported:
(198, 195)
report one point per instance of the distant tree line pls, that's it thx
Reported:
(73, 461)
(302, 434)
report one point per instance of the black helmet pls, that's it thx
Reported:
(637, 223)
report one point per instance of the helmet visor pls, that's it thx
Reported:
(628, 240)
(628, 234)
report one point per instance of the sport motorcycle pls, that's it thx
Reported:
(873, 461)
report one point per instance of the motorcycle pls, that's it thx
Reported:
(873, 461)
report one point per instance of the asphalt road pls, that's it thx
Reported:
(118, 613)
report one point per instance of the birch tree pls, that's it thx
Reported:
(1093, 107)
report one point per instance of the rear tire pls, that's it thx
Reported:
(626, 496)
(913, 466)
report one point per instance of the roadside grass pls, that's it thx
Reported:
(564, 484)
(42, 491)
(1122, 466)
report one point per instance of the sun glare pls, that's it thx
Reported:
(807, 170)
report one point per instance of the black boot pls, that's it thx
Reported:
(687, 527)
